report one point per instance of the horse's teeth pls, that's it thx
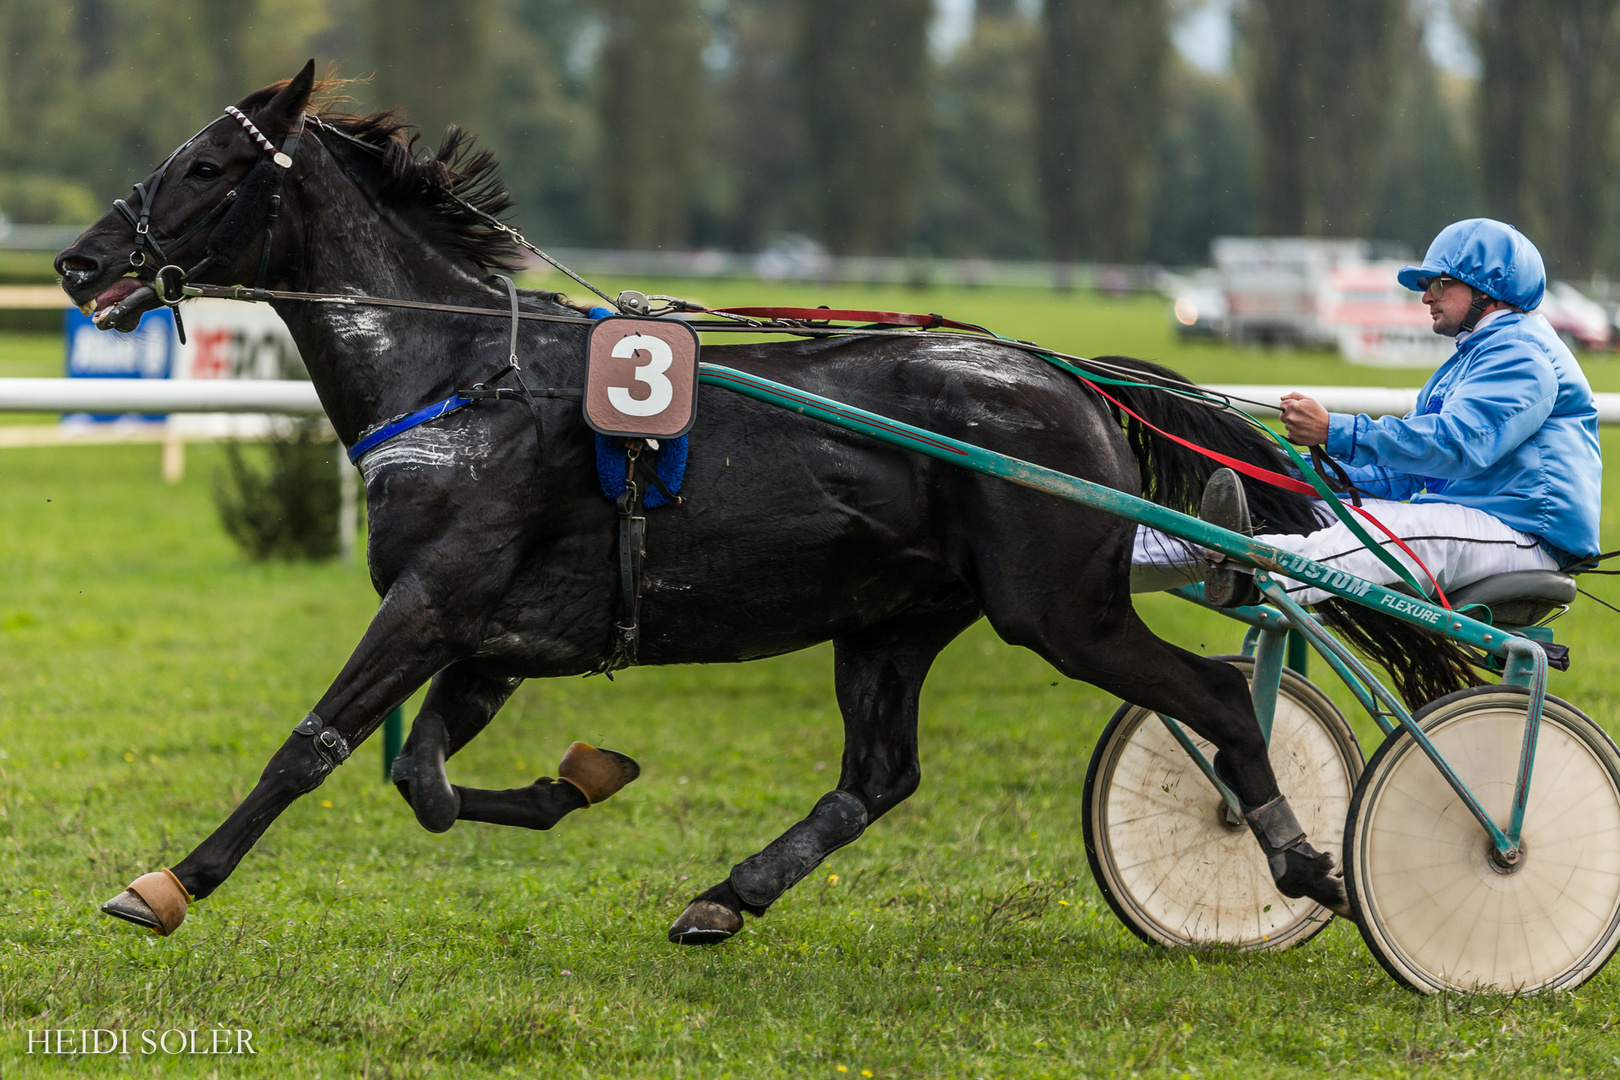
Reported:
(89, 308)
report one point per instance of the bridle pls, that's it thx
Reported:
(256, 199)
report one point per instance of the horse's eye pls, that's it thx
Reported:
(205, 170)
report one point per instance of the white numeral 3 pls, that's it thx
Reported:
(651, 373)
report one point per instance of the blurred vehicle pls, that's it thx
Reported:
(1198, 303)
(1373, 319)
(1582, 322)
(793, 258)
(1273, 285)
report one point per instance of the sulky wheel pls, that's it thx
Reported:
(1434, 907)
(1170, 861)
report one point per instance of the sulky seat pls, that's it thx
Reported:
(1518, 599)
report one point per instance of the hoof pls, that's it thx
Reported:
(156, 901)
(131, 908)
(1311, 873)
(436, 803)
(705, 922)
(596, 773)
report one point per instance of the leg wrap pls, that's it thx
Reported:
(1277, 829)
(838, 818)
(328, 749)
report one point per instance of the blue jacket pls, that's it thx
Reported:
(1506, 425)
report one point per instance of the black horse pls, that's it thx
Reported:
(494, 553)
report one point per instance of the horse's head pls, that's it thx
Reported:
(206, 211)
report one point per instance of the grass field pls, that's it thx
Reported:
(147, 671)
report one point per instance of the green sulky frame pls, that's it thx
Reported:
(1524, 662)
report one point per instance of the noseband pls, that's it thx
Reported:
(254, 203)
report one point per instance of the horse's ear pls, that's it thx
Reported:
(290, 102)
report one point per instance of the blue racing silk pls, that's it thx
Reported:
(1507, 425)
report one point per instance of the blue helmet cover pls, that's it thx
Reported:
(1490, 255)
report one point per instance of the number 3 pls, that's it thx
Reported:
(651, 373)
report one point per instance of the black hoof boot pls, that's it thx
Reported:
(431, 795)
(1311, 873)
(1226, 505)
(1297, 869)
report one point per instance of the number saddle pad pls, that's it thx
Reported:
(641, 383)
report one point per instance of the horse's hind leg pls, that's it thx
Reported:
(879, 674)
(460, 703)
(458, 706)
(1115, 651)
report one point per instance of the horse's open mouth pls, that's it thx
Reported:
(110, 297)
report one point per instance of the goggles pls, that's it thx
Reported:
(1435, 287)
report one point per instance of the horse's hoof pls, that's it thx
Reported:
(432, 798)
(131, 908)
(705, 922)
(156, 901)
(1311, 873)
(596, 773)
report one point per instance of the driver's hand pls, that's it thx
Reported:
(1305, 420)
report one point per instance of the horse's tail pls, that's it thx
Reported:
(1423, 665)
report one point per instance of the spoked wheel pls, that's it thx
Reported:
(1168, 857)
(1434, 907)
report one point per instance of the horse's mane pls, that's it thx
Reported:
(422, 185)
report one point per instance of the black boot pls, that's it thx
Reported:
(1226, 505)
(1297, 868)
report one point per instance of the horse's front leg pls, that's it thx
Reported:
(404, 645)
(879, 674)
(460, 703)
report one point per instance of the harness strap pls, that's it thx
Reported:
(886, 318)
(1321, 459)
(517, 372)
(625, 648)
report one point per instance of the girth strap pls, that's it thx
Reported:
(624, 651)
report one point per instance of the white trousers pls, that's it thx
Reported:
(1459, 544)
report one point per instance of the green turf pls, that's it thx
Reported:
(30, 356)
(147, 671)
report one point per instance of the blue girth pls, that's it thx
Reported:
(454, 401)
(405, 423)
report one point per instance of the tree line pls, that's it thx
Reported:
(1063, 129)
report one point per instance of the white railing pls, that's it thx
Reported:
(149, 396)
(285, 396)
(293, 398)
(296, 398)
(1374, 400)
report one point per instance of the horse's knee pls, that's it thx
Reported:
(306, 759)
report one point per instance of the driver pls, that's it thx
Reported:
(1498, 469)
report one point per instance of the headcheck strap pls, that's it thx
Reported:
(283, 158)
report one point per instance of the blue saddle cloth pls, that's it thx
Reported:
(669, 463)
